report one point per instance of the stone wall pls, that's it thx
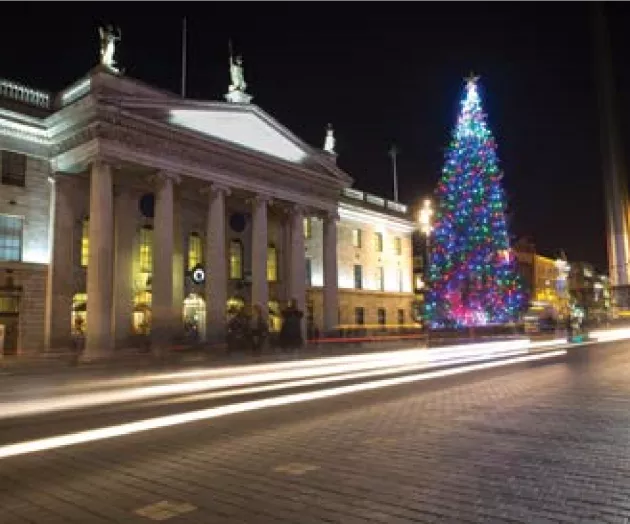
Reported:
(29, 282)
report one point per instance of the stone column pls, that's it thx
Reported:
(297, 282)
(60, 271)
(178, 266)
(124, 232)
(260, 286)
(100, 262)
(216, 265)
(331, 283)
(162, 278)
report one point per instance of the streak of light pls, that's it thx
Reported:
(92, 435)
(341, 365)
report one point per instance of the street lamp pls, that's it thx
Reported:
(424, 218)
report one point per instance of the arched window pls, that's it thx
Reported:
(146, 249)
(195, 251)
(236, 260)
(85, 242)
(272, 263)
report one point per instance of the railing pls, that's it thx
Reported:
(374, 200)
(24, 94)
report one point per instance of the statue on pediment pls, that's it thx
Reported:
(329, 142)
(108, 46)
(237, 74)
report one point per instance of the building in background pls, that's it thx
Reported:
(591, 291)
(543, 279)
(129, 212)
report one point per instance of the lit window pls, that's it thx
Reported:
(78, 315)
(275, 317)
(272, 264)
(13, 169)
(85, 242)
(146, 249)
(398, 245)
(378, 238)
(356, 237)
(399, 278)
(307, 228)
(11, 238)
(195, 251)
(142, 312)
(236, 260)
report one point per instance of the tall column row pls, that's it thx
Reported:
(110, 263)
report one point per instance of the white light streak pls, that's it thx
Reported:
(83, 437)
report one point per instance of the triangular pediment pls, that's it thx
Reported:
(245, 128)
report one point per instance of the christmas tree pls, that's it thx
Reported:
(472, 271)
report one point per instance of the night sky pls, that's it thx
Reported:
(381, 73)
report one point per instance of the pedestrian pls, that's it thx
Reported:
(291, 331)
(258, 329)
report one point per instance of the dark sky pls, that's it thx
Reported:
(381, 73)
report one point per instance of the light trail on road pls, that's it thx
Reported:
(92, 435)
(268, 373)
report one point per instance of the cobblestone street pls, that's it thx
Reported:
(541, 443)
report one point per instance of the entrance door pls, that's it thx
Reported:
(10, 321)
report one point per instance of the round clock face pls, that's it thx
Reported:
(198, 275)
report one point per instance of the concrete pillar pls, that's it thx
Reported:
(331, 283)
(297, 282)
(178, 266)
(216, 265)
(100, 262)
(260, 286)
(124, 232)
(60, 271)
(162, 322)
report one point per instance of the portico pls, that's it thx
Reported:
(207, 185)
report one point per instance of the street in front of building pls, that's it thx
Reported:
(542, 442)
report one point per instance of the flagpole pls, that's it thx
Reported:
(393, 153)
(184, 58)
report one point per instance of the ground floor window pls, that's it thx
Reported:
(142, 313)
(195, 316)
(78, 317)
(275, 316)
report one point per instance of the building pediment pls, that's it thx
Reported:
(245, 127)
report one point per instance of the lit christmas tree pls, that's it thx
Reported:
(472, 273)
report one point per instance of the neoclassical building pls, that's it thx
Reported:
(127, 211)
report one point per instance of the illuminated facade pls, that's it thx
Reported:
(127, 211)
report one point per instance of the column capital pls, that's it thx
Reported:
(260, 198)
(213, 189)
(165, 176)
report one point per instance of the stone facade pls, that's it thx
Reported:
(129, 189)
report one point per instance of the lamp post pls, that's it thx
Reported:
(425, 219)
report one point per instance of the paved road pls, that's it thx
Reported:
(537, 443)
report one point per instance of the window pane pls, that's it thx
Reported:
(146, 250)
(307, 228)
(379, 242)
(11, 238)
(309, 273)
(356, 237)
(272, 264)
(195, 251)
(358, 277)
(236, 260)
(85, 243)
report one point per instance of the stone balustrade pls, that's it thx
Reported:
(24, 94)
(374, 200)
